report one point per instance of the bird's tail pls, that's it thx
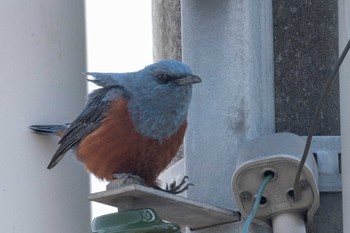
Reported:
(58, 130)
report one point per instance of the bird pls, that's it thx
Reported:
(132, 126)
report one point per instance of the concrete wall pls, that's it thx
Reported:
(305, 49)
(42, 59)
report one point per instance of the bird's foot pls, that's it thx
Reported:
(122, 179)
(174, 188)
(127, 178)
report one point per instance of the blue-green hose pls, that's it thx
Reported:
(256, 203)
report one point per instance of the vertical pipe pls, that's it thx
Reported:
(42, 59)
(344, 34)
(288, 223)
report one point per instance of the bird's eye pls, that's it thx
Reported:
(163, 78)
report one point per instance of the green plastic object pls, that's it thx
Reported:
(132, 221)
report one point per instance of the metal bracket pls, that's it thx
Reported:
(326, 150)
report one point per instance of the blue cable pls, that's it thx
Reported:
(256, 203)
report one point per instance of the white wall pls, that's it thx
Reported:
(42, 59)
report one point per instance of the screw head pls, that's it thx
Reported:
(304, 185)
(245, 196)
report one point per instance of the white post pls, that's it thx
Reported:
(344, 35)
(42, 59)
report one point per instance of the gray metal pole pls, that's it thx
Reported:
(42, 59)
(228, 43)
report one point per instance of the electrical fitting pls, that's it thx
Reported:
(277, 155)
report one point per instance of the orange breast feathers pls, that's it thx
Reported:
(116, 147)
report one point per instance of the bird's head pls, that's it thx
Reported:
(165, 84)
(172, 72)
(162, 93)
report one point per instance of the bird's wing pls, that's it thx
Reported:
(89, 120)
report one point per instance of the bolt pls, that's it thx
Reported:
(245, 196)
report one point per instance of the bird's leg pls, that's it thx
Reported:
(127, 178)
(122, 179)
(176, 189)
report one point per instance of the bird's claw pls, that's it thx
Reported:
(173, 188)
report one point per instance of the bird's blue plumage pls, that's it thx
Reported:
(158, 107)
(157, 96)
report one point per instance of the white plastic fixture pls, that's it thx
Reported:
(277, 154)
(289, 222)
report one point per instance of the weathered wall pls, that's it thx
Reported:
(305, 48)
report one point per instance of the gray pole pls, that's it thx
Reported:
(228, 43)
(166, 29)
(42, 59)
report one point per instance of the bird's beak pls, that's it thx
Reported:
(188, 79)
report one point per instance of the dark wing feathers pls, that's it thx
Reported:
(90, 119)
